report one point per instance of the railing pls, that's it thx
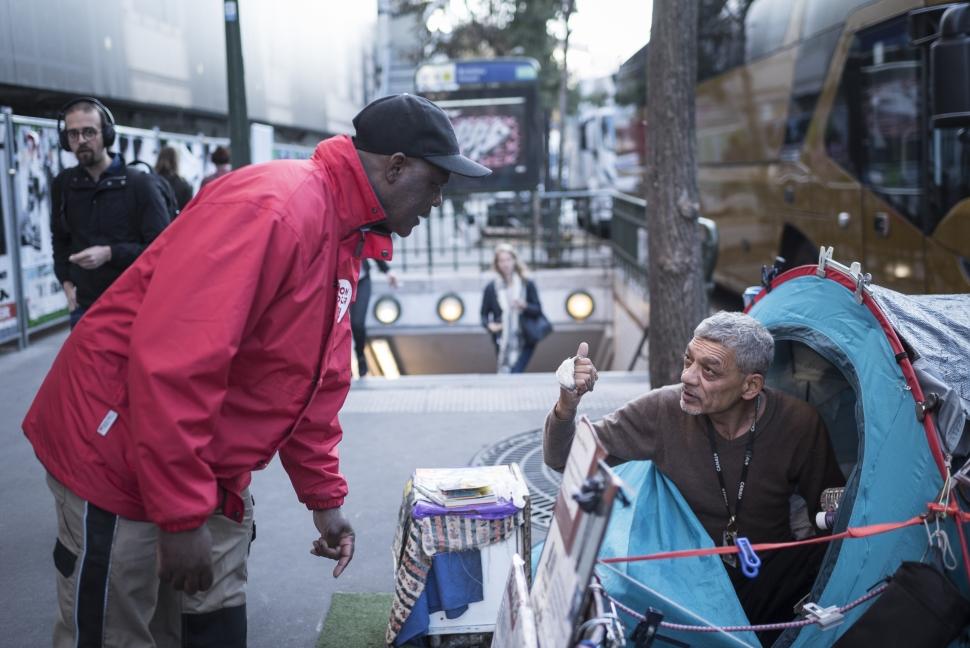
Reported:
(548, 230)
(628, 237)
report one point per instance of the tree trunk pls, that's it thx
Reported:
(678, 301)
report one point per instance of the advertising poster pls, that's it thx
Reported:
(37, 161)
(8, 305)
(493, 132)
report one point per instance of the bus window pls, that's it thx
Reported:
(811, 67)
(765, 26)
(720, 41)
(891, 104)
(950, 172)
(879, 111)
(839, 143)
(821, 15)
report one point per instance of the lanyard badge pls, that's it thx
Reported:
(730, 535)
(730, 540)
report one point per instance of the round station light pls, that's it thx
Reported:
(580, 305)
(387, 310)
(451, 308)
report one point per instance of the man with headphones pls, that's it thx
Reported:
(102, 214)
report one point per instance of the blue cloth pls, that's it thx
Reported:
(454, 581)
(661, 520)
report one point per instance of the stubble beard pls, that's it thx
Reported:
(687, 409)
(87, 158)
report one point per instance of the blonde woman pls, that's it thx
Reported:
(507, 300)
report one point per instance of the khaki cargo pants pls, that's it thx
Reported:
(109, 593)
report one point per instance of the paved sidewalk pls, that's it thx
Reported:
(390, 428)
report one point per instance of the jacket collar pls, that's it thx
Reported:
(359, 206)
(116, 169)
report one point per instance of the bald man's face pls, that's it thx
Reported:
(408, 188)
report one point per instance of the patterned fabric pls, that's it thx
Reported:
(417, 541)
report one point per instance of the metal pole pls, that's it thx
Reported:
(455, 231)
(235, 74)
(536, 217)
(13, 235)
(431, 241)
(567, 9)
(384, 43)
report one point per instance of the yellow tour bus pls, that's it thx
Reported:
(842, 123)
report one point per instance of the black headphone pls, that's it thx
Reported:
(107, 122)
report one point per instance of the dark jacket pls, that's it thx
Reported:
(122, 209)
(492, 312)
(382, 265)
(181, 188)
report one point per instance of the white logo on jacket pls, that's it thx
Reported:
(344, 293)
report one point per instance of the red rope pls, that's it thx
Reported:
(852, 532)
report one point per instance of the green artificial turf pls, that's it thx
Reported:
(356, 621)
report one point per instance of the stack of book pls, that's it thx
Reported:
(454, 488)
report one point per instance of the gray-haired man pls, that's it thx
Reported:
(718, 415)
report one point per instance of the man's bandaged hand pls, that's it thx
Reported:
(576, 376)
(566, 374)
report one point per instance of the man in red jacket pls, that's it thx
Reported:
(226, 342)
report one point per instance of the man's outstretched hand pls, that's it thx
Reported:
(185, 559)
(336, 540)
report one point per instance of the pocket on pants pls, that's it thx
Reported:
(64, 559)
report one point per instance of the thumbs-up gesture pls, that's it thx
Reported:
(585, 372)
(584, 375)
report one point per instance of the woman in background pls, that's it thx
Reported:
(167, 166)
(508, 298)
(358, 310)
(223, 161)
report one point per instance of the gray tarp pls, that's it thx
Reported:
(937, 329)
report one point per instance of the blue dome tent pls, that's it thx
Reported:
(889, 375)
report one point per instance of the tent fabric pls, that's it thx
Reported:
(895, 475)
(893, 479)
(661, 519)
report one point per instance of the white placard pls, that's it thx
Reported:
(516, 624)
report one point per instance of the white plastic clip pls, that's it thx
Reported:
(826, 618)
(824, 256)
(862, 280)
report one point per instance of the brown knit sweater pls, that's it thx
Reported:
(792, 454)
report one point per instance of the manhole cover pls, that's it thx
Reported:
(525, 449)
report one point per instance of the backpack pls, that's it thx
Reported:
(164, 188)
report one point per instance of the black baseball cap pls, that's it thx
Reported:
(406, 123)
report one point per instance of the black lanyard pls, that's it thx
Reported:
(748, 454)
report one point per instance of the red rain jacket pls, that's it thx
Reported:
(227, 341)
